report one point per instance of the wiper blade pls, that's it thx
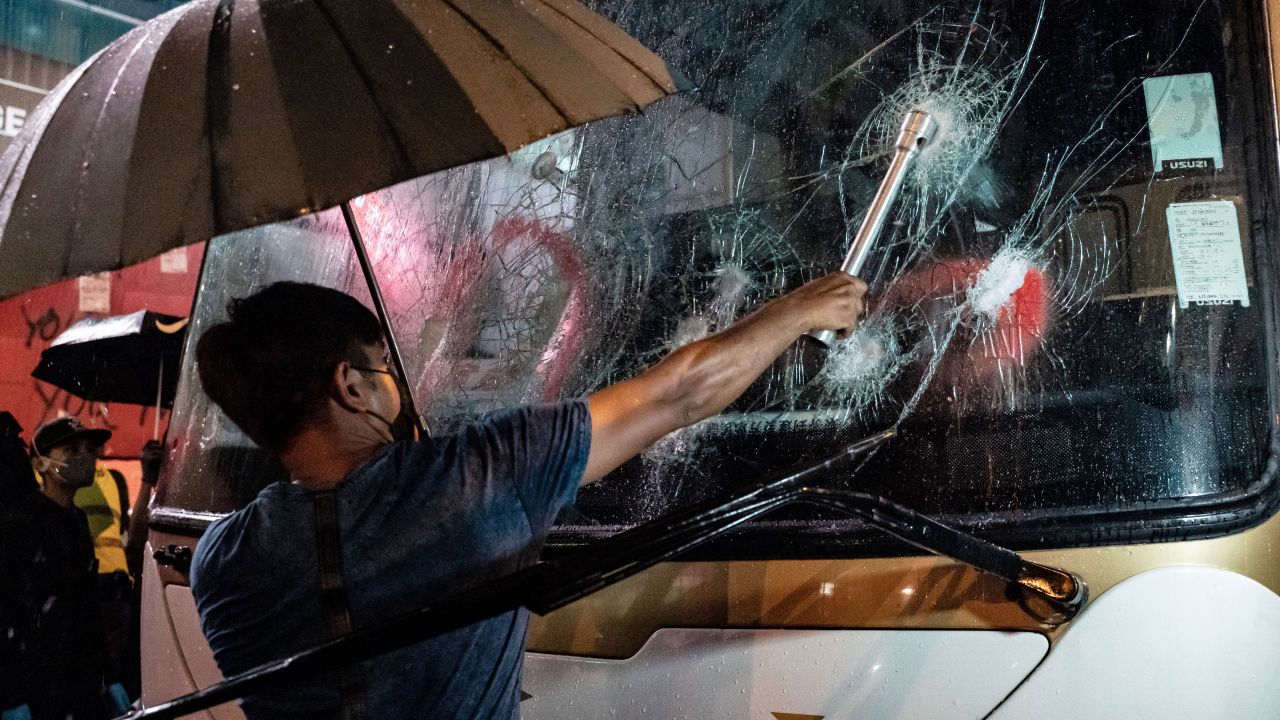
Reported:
(1051, 595)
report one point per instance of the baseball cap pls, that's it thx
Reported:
(66, 429)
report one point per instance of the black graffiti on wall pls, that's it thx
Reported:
(46, 327)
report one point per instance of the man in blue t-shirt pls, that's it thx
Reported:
(370, 526)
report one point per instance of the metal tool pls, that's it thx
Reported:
(918, 130)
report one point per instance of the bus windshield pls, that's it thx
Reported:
(1071, 319)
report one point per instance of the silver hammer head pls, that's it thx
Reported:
(918, 130)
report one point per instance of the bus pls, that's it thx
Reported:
(1071, 334)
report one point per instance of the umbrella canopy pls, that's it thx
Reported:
(117, 359)
(225, 114)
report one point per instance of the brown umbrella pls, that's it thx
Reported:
(225, 114)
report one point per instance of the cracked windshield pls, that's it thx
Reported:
(1064, 320)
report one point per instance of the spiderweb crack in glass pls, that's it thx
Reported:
(998, 282)
(962, 74)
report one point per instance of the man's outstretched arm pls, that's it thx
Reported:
(701, 379)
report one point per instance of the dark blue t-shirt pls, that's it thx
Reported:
(419, 522)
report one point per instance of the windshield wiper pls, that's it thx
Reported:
(1050, 595)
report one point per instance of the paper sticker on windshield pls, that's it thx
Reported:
(1208, 263)
(1182, 115)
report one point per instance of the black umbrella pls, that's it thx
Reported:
(130, 359)
(226, 114)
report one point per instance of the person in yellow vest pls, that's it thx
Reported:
(105, 502)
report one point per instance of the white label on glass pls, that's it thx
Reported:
(1208, 263)
(1182, 115)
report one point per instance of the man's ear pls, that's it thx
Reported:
(349, 388)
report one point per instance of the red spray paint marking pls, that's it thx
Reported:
(1012, 339)
(561, 352)
(442, 279)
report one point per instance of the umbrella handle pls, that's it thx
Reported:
(155, 424)
(384, 318)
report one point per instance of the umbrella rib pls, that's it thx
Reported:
(655, 81)
(26, 144)
(25, 153)
(497, 44)
(216, 80)
(86, 157)
(393, 132)
(177, 15)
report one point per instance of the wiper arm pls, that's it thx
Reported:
(1048, 594)
(1052, 596)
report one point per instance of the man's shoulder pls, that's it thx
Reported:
(227, 543)
(208, 553)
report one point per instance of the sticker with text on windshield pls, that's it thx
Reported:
(1208, 263)
(1182, 116)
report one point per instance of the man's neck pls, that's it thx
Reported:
(318, 460)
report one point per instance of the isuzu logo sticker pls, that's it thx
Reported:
(1182, 117)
